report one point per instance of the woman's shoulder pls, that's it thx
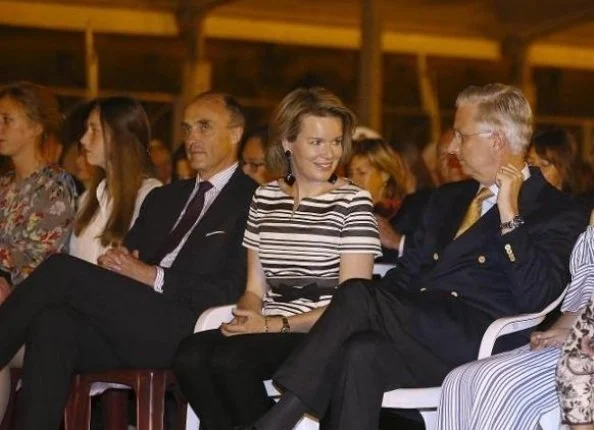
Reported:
(149, 184)
(56, 180)
(350, 191)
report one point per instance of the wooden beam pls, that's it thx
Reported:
(72, 17)
(160, 23)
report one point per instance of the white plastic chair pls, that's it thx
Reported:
(426, 400)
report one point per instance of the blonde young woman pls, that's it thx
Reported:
(37, 199)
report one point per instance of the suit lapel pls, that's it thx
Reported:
(460, 203)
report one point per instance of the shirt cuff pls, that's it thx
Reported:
(401, 245)
(159, 280)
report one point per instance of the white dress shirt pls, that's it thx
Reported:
(218, 182)
(87, 245)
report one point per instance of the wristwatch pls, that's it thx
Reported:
(514, 223)
(286, 328)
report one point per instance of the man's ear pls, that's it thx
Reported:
(236, 133)
(500, 142)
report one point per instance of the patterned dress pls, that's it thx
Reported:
(513, 389)
(35, 219)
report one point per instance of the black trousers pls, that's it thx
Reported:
(222, 376)
(358, 349)
(74, 317)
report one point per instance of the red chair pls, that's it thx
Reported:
(149, 385)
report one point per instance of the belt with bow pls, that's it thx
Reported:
(288, 290)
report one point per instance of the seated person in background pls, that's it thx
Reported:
(182, 256)
(252, 155)
(306, 233)
(448, 168)
(182, 168)
(161, 160)
(378, 168)
(555, 151)
(486, 248)
(115, 141)
(37, 200)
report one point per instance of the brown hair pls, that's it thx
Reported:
(386, 159)
(40, 106)
(288, 115)
(559, 147)
(126, 131)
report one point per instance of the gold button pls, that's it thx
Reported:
(507, 247)
(482, 259)
(455, 294)
(422, 290)
(436, 256)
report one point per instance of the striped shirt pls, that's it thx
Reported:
(302, 246)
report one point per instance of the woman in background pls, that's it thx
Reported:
(37, 200)
(252, 155)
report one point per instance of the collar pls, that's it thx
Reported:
(220, 179)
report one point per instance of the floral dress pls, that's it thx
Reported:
(575, 370)
(36, 215)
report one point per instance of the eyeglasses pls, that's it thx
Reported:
(463, 137)
(253, 164)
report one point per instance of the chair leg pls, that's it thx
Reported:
(150, 401)
(77, 415)
(115, 409)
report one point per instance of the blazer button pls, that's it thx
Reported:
(510, 252)
(454, 294)
(482, 259)
(435, 256)
(422, 290)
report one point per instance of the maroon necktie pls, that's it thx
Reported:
(186, 222)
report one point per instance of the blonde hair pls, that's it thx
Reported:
(386, 159)
(505, 109)
(287, 119)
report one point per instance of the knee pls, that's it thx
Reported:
(360, 351)
(352, 293)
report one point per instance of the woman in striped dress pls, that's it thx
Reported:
(512, 390)
(306, 233)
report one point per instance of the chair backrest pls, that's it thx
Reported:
(514, 324)
(380, 269)
(213, 317)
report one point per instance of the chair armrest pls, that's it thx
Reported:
(213, 317)
(412, 398)
(514, 324)
(381, 269)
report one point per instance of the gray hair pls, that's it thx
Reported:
(505, 109)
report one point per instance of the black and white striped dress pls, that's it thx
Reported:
(300, 249)
(512, 390)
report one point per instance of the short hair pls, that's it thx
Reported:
(39, 104)
(231, 104)
(505, 109)
(386, 159)
(260, 132)
(287, 120)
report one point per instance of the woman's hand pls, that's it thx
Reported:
(551, 337)
(245, 322)
(389, 238)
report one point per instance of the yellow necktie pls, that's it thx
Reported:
(474, 210)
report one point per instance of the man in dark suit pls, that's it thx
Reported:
(182, 256)
(486, 248)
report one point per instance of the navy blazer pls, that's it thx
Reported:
(210, 269)
(454, 288)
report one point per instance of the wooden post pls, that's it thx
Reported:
(370, 66)
(429, 98)
(515, 49)
(91, 63)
